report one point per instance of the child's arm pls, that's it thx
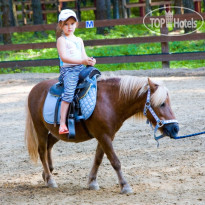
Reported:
(92, 60)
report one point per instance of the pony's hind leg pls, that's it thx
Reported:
(50, 142)
(106, 144)
(92, 182)
(43, 153)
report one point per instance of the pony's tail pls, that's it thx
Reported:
(31, 138)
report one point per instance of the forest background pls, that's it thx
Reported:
(108, 9)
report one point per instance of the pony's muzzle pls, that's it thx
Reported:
(171, 130)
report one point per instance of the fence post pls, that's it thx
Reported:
(165, 46)
(142, 9)
(197, 6)
(23, 12)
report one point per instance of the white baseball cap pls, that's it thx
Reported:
(65, 14)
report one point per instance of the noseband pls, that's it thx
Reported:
(160, 123)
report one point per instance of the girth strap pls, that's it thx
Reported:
(56, 111)
(85, 128)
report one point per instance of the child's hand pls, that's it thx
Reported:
(89, 61)
(92, 61)
(86, 61)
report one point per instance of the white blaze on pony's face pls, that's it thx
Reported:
(161, 105)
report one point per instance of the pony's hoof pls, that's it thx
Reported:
(51, 183)
(93, 186)
(43, 176)
(126, 190)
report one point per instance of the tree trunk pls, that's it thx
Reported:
(1, 36)
(116, 12)
(124, 10)
(14, 14)
(37, 12)
(37, 16)
(177, 10)
(100, 14)
(109, 13)
(178, 3)
(128, 10)
(11, 13)
(188, 4)
(6, 21)
(78, 10)
(108, 9)
(148, 7)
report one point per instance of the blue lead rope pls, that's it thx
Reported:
(176, 138)
(191, 135)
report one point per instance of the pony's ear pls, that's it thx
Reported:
(153, 86)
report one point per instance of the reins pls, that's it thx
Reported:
(160, 123)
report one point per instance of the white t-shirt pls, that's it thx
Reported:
(73, 50)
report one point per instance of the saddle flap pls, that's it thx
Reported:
(82, 91)
(57, 89)
(90, 71)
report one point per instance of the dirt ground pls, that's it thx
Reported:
(174, 173)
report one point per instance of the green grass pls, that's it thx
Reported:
(118, 50)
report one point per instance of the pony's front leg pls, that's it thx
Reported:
(92, 182)
(106, 144)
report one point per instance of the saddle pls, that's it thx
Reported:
(87, 78)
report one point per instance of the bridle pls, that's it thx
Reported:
(160, 123)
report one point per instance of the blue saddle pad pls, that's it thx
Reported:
(87, 104)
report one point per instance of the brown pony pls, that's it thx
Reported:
(118, 98)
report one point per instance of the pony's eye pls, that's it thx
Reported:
(162, 105)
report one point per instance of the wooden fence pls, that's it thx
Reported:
(165, 56)
(25, 11)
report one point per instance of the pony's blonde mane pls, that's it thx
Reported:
(132, 87)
